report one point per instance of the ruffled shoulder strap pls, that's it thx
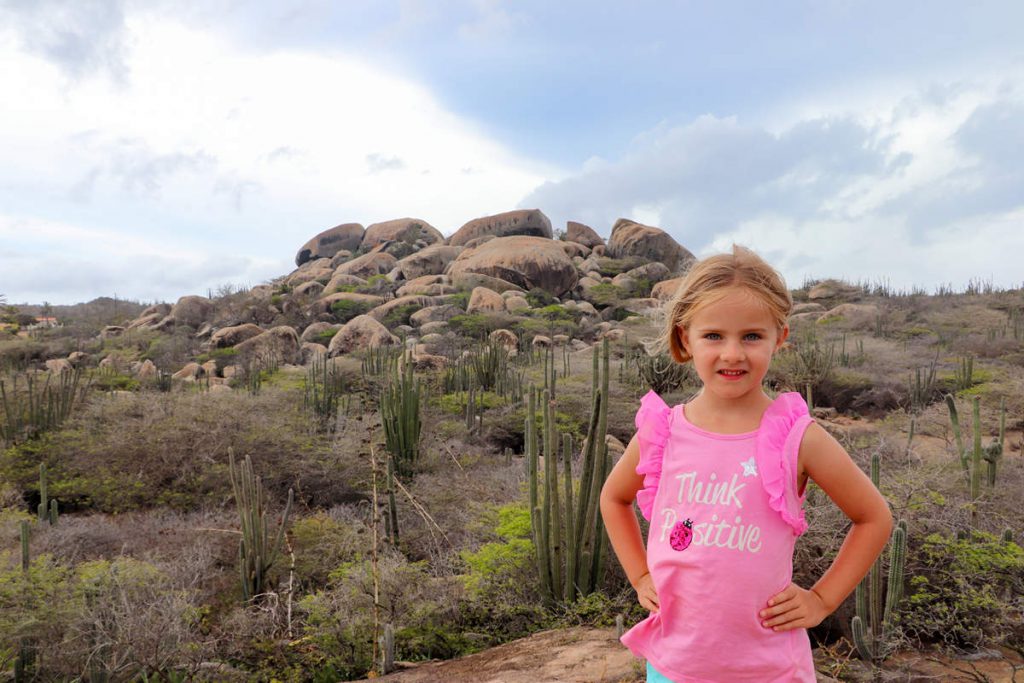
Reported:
(652, 430)
(777, 449)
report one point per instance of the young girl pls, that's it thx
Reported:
(721, 480)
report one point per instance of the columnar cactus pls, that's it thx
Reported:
(568, 534)
(874, 641)
(256, 551)
(47, 508)
(400, 416)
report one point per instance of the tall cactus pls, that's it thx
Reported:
(568, 534)
(47, 508)
(256, 551)
(400, 417)
(24, 545)
(874, 641)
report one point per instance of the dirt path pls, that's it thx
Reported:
(588, 655)
(574, 655)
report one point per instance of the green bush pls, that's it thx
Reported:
(606, 294)
(345, 309)
(503, 568)
(960, 595)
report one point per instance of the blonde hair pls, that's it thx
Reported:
(710, 280)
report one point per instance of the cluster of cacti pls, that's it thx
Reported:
(660, 372)
(380, 360)
(569, 535)
(35, 409)
(47, 509)
(847, 359)
(922, 386)
(876, 612)
(970, 459)
(400, 416)
(256, 550)
(963, 373)
(487, 367)
(325, 391)
(550, 371)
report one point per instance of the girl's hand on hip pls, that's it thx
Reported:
(645, 593)
(794, 607)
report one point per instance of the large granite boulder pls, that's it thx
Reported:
(330, 242)
(630, 238)
(191, 310)
(526, 262)
(342, 281)
(429, 261)
(433, 314)
(280, 343)
(360, 333)
(666, 289)
(469, 281)
(522, 222)
(582, 234)
(406, 303)
(367, 265)
(316, 332)
(232, 336)
(408, 230)
(484, 300)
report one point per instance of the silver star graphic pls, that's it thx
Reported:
(749, 468)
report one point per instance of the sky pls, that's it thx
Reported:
(153, 149)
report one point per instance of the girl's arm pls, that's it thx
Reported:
(620, 521)
(829, 465)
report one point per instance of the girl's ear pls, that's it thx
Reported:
(683, 339)
(782, 337)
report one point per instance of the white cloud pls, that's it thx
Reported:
(921, 191)
(204, 148)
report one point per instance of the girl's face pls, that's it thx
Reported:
(732, 342)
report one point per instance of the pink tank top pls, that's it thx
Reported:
(724, 516)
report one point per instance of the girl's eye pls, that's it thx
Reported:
(712, 335)
(753, 336)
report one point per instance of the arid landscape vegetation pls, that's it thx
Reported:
(390, 456)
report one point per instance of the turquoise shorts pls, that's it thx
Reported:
(654, 677)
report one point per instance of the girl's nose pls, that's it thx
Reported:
(733, 352)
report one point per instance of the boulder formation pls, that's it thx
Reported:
(360, 333)
(328, 243)
(526, 262)
(522, 222)
(630, 238)
(582, 234)
(408, 230)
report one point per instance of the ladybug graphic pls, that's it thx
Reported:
(682, 534)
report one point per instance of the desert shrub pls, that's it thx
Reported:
(323, 543)
(504, 570)
(338, 621)
(476, 325)
(539, 298)
(455, 402)
(177, 451)
(399, 315)
(325, 337)
(616, 266)
(606, 294)
(111, 380)
(460, 299)
(965, 593)
(117, 618)
(344, 310)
